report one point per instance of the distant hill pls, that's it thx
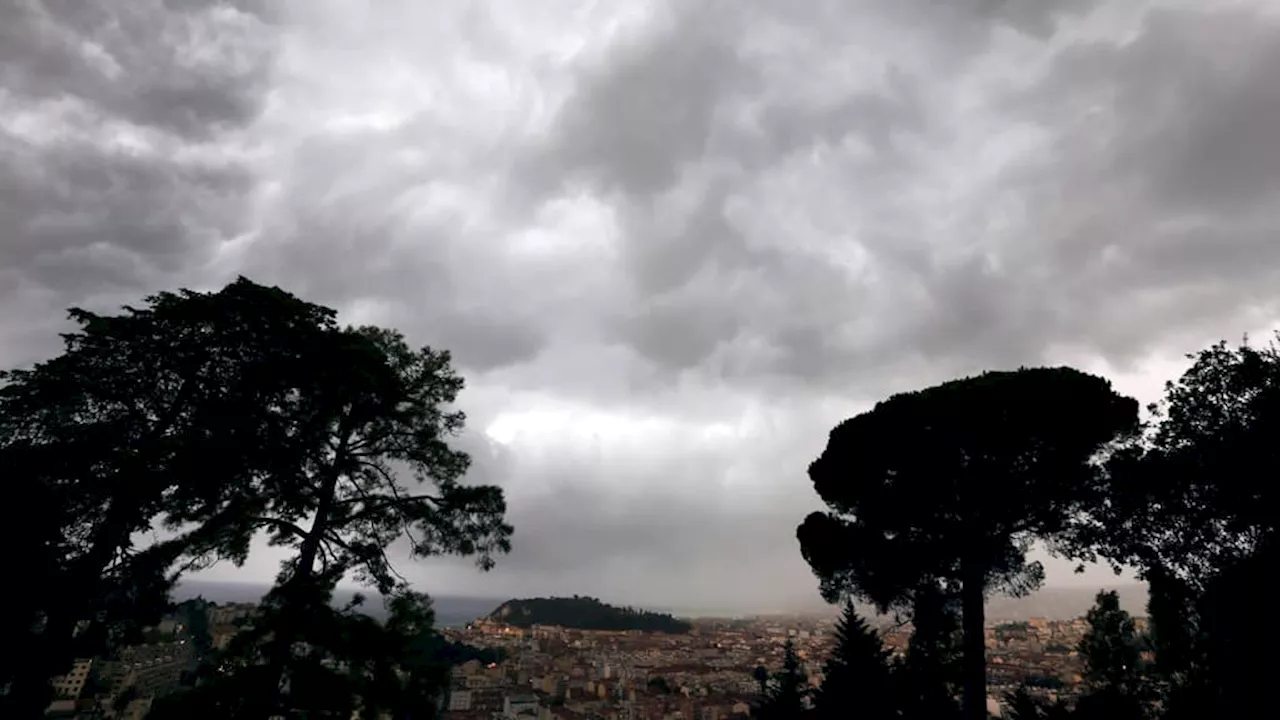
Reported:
(584, 613)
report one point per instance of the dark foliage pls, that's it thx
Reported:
(948, 486)
(348, 663)
(219, 416)
(1022, 705)
(1115, 683)
(194, 616)
(452, 652)
(786, 695)
(1111, 649)
(761, 676)
(1194, 505)
(856, 681)
(585, 613)
(928, 678)
(131, 427)
(1194, 495)
(660, 684)
(371, 413)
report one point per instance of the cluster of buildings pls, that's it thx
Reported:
(125, 685)
(1041, 655)
(555, 673)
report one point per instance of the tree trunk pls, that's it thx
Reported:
(296, 588)
(974, 647)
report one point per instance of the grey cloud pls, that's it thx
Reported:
(117, 171)
(1159, 199)
(191, 68)
(1183, 155)
(352, 226)
(76, 207)
(1208, 143)
(663, 531)
(633, 124)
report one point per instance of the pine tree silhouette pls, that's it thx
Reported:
(856, 682)
(787, 691)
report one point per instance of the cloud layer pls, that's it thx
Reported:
(670, 244)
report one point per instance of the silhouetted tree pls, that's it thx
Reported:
(373, 414)
(1191, 496)
(1192, 505)
(761, 675)
(1110, 648)
(786, 695)
(856, 681)
(194, 614)
(1021, 705)
(928, 677)
(219, 415)
(351, 665)
(133, 426)
(948, 486)
(1112, 654)
(661, 685)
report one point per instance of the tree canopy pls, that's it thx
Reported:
(372, 414)
(948, 487)
(1192, 504)
(857, 675)
(130, 428)
(786, 693)
(215, 417)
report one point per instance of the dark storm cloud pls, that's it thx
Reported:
(115, 177)
(187, 67)
(1039, 254)
(355, 225)
(1155, 211)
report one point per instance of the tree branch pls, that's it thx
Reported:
(281, 524)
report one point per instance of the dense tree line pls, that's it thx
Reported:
(585, 613)
(205, 419)
(934, 497)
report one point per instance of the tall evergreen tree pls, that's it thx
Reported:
(856, 681)
(1110, 648)
(1112, 655)
(950, 486)
(787, 695)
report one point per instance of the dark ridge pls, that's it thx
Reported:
(585, 613)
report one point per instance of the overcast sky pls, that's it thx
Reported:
(671, 243)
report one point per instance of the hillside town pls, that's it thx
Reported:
(558, 673)
(126, 684)
(555, 673)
